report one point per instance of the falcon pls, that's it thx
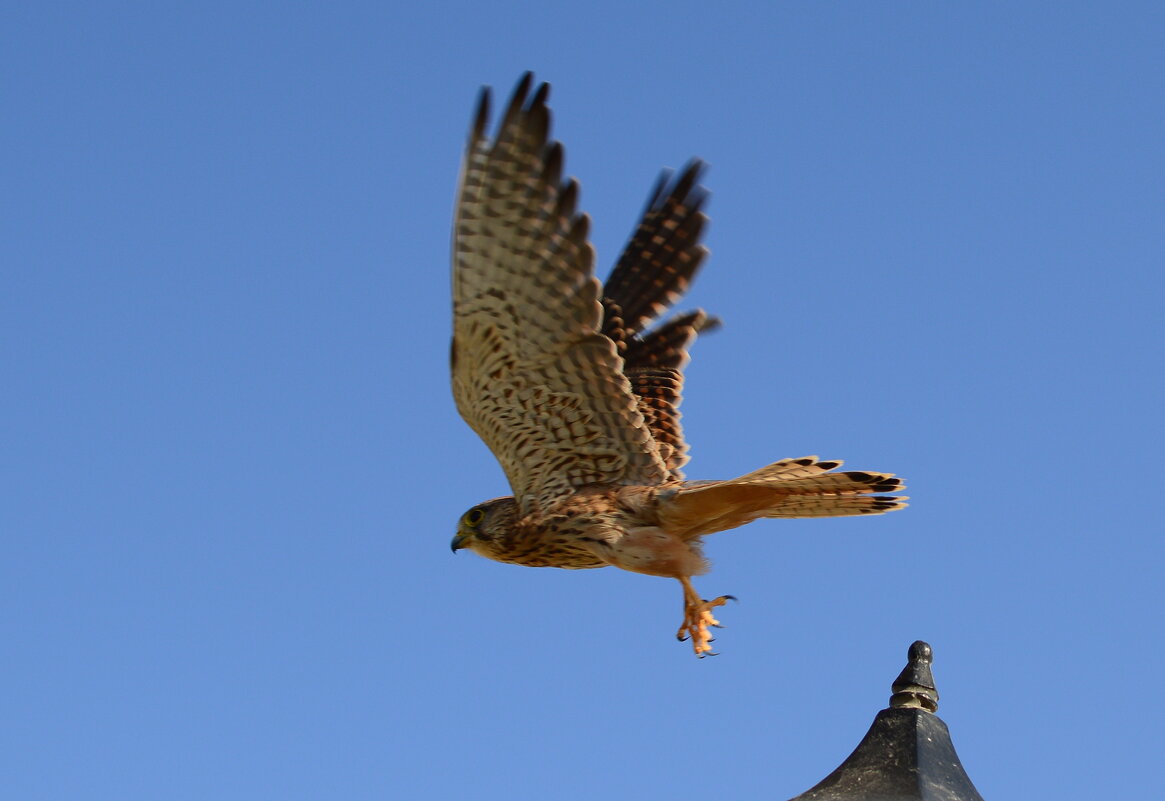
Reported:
(575, 387)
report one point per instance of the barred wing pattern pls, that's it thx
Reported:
(532, 372)
(657, 266)
(662, 257)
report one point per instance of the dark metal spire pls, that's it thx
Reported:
(914, 687)
(907, 754)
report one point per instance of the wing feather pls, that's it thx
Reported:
(664, 252)
(532, 373)
(658, 264)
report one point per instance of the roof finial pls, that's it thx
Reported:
(914, 687)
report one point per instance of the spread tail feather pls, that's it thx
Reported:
(788, 488)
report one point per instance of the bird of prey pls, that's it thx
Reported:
(576, 393)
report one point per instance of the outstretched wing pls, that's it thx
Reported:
(663, 255)
(533, 374)
(657, 266)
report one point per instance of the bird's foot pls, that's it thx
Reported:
(698, 619)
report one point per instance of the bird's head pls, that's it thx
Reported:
(481, 527)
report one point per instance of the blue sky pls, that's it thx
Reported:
(231, 465)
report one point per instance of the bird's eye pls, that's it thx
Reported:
(474, 517)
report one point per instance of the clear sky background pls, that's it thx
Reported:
(232, 465)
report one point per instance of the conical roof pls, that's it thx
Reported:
(907, 753)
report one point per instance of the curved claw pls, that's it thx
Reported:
(699, 620)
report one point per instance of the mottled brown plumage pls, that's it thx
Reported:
(577, 396)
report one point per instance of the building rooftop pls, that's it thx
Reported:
(907, 753)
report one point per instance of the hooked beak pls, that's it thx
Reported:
(458, 542)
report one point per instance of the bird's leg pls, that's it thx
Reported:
(698, 617)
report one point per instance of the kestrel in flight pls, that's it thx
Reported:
(577, 396)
